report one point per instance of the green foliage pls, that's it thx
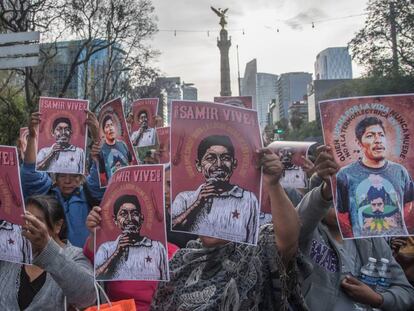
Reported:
(372, 46)
(306, 131)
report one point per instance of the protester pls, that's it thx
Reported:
(76, 197)
(141, 291)
(333, 284)
(403, 251)
(213, 274)
(60, 274)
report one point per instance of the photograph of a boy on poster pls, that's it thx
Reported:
(373, 189)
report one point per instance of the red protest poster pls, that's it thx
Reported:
(293, 155)
(215, 185)
(132, 243)
(143, 126)
(116, 148)
(163, 134)
(62, 135)
(238, 101)
(13, 246)
(372, 141)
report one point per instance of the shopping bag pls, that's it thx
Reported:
(122, 305)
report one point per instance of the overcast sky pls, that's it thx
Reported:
(195, 58)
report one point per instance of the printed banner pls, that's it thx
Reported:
(238, 101)
(132, 243)
(293, 155)
(13, 246)
(116, 150)
(214, 180)
(143, 132)
(372, 142)
(163, 134)
(62, 135)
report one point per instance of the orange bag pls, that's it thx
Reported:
(122, 305)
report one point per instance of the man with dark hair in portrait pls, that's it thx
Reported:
(114, 153)
(144, 136)
(217, 207)
(131, 256)
(62, 156)
(375, 170)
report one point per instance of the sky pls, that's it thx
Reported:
(194, 56)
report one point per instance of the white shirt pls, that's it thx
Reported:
(233, 215)
(13, 246)
(148, 138)
(146, 260)
(70, 161)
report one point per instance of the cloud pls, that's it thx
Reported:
(306, 17)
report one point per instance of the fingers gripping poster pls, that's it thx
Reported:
(214, 180)
(131, 243)
(62, 135)
(13, 246)
(372, 141)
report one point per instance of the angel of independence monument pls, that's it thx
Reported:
(224, 44)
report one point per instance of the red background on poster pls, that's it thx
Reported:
(163, 134)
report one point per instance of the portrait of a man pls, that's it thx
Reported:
(114, 152)
(217, 207)
(13, 246)
(62, 156)
(373, 167)
(131, 256)
(145, 135)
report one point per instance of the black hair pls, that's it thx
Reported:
(61, 120)
(143, 111)
(375, 193)
(105, 119)
(213, 140)
(126, 198)
(52, 211)
(364, 123)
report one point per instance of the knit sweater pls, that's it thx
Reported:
(69, 274)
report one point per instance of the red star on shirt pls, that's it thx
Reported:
(72, 159)
(11, 242)
(148, 259)
(236, 214)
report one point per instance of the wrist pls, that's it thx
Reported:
(377, 300)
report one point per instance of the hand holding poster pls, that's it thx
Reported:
(214, 181)
(116, 150)
(13, 246)
(131, 244)
(62, 135)
(371, 138)
(237, 101)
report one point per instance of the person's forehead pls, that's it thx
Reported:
(62, 124)
(374, 129)
(128, 207)
(109, 122)
(379, 199)
(142, 113)
(219, 149)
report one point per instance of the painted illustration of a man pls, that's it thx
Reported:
(217, 208)
(62, 156)
(114, 152)
(13, 246)
(131, 256)
(145, 135)
(381, 216)
(371, 137)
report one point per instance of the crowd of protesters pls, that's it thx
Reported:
(300, 262)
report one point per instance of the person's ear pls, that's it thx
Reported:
(198, 166)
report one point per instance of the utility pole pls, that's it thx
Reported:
(238, 69)
(393, 40)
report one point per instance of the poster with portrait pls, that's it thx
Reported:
(215, 185)
(163, 134)
(131, 243)
(62, 135)
(116, 148)
(293, 155)
(372, 139)
(13, 246)
(238, 101)
(143, 134)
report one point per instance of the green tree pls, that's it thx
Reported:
(385, 46)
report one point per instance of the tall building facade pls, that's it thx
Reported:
(262, 87)
(333, 63)
(291, 88)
